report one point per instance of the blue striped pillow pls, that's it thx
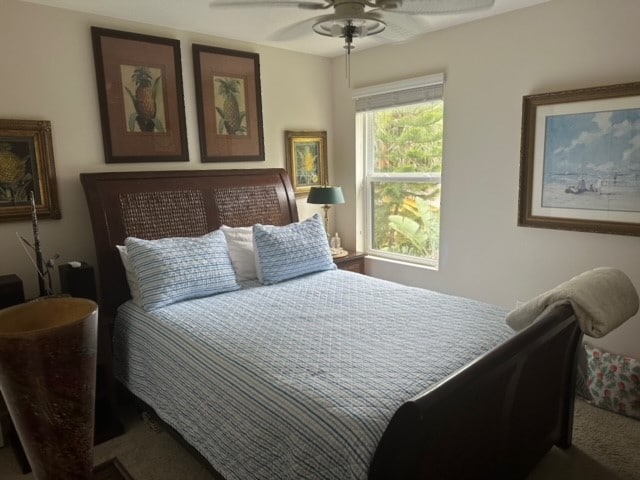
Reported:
(173, 269)
(292, 250)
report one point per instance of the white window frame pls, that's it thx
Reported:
(368, 100)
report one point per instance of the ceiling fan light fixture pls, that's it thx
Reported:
(330, 26)
(349, 26)
(336, 29)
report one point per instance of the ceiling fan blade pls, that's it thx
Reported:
(400, 27)
(294, 31)
(437, 7)
(315, 6)
(272, 3)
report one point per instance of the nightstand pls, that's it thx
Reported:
(354, 262)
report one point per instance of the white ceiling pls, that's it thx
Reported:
(261, 25)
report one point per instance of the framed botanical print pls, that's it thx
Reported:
(229, 105)
(140, 96)
(306, 154)
(26, 165)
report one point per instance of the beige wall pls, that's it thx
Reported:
(490, 65)
(47, 73)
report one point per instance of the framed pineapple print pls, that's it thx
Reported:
(229, 105)
(26, 165)
(306, 154)
(140, 96)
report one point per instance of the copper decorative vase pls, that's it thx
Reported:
(48, 378)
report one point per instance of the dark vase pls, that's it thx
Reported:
(47, 377)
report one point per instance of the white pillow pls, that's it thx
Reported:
(179, 268)
(292, 250)
(240, 245)
(132, 280)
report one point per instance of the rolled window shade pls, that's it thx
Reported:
(395, 94)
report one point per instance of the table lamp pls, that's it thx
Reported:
(328, 196)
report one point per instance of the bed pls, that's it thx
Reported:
(492, 409)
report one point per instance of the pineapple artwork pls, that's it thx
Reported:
(143, 98)
(307, 163)
(230, 104)
(15, 172)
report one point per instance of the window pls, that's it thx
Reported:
(399, 130)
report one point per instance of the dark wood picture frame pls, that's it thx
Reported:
(26, 164)
(141, 97)
(306, 155)
(229, 104)
(580, 164)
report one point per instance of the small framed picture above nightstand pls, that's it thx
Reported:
(353, 261)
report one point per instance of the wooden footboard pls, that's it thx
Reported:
(494, 419)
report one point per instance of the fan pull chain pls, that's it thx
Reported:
(347, 67)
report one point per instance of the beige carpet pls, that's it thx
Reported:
(606, 447)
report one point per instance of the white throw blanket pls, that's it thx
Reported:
(602, 299)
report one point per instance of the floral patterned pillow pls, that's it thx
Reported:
(613, 381)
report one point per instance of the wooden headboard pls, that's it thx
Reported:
(184, 203)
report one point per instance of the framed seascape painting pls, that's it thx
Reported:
(580, 160)
(140, 96)
(26, 165)
(229, 105)
(306, 154)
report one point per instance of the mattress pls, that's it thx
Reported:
(298, 379)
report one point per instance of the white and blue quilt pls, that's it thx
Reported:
(297, 380)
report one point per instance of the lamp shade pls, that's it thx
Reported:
(325, 195)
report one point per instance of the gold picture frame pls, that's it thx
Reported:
(580, 161)
(26, 164)
(306, 155)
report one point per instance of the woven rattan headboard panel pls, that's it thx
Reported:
(176, 203)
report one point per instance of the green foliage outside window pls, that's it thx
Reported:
(406, 215)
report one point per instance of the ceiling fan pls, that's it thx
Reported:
(361, 18)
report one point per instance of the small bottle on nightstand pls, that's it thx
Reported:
(335, 242)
